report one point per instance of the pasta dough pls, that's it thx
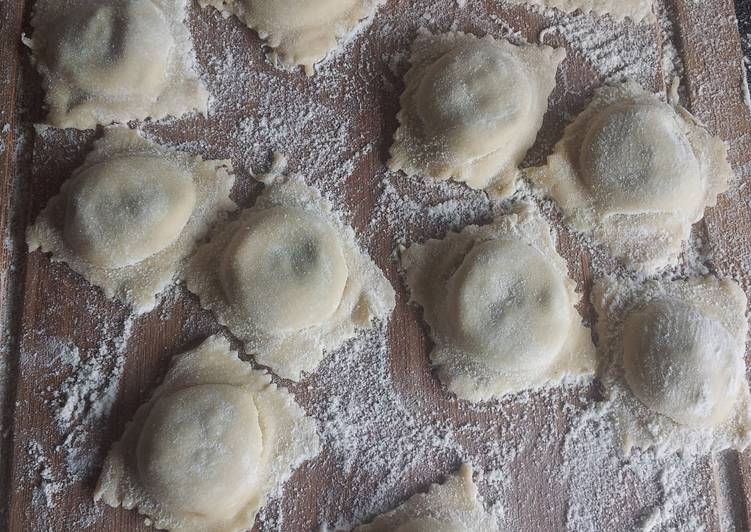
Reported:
(299, 32)
(289, 280)
(216, 439)
(675, 362)
(636, 10)
(289, 257)
(500, 306)
(131, 214)
(449, 507)
(635, 173)
(472, 108)
(115, 61)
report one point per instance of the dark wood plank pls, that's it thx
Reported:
(16, 141)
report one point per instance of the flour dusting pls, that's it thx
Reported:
(388, 428)
(87, 386)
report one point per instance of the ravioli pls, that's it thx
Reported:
(130, 215)
(299, 32)
(472, 108)
(288, 278)
(500, 307)
(635, 173)
(449, 507)
(674, 362)
(214, 442)
(115, 61)
(636, 10)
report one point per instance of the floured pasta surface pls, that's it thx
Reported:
(500, 307)
(115, 61)
(636, 10)
(289, 279)
(471, 108)
(449, 507)
(214, 442)
(674, 363)
(131, 214)
(635, 173)
(299, 32)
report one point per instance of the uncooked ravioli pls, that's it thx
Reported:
(288, 279)
(635, 173)
(216, 439)
(119, 213)
(675, 352)
(213, 471)
(115, 61)
(635, 159)
(472, 108)
(286, 271)
(681, 362)
(449, 507)
(299, 32)
(131, 214)
(636, 10)
(500, 307)
(508, 299)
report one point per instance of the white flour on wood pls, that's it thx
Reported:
(388, 428)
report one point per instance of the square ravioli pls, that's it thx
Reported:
(635, 172)
(471, 108)
(115, 61)
(130, 215)
(449, 507)
(500, 306)
(674, 362)
(636, 10)
(299, 32)
(289, 279)
(216, 440)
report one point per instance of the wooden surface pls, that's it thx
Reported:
(41, 300)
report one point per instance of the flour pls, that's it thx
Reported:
(418, 207)
(4, 130)
(745, 67)
(387, 426)
(48, 485)
(380, 437)
(671, 63)
(670, 499)
(83, 399)
(614, 50)
(746, 62)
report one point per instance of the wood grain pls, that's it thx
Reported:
(15, 157)
(40, 299)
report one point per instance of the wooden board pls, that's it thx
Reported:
(41, 300)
